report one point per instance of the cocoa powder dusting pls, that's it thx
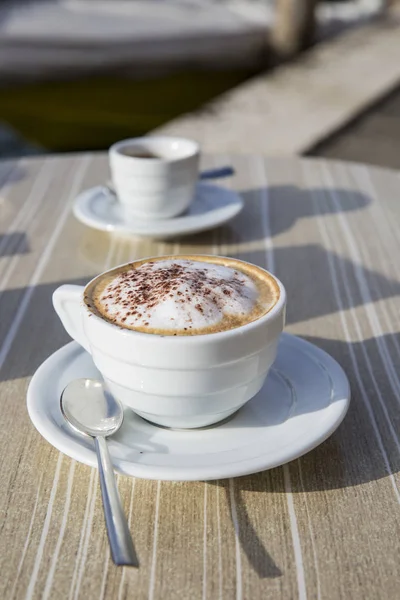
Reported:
(138, 290)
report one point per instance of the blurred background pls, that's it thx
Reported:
(81, 74)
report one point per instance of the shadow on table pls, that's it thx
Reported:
(11, 172)
(257, 555)
(365, 447)
(273, 210)
(39, 331)
(304, 271)
(303, 268)
(12, 244)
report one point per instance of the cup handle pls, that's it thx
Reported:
(67, 302)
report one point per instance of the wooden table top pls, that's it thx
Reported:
(324, 526)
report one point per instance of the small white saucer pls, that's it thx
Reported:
(302, 402)
(212, 206)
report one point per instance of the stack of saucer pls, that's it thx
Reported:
(156, 192)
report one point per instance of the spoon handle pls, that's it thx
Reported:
(119, 536)
(217, 173)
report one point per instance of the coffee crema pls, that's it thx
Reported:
(183, 295)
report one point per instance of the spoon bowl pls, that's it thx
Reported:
(91, 409)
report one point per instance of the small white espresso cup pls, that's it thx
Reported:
(175, 381)
(155, 177)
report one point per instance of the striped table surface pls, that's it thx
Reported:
(324, 526)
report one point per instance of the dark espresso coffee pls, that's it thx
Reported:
(183, 295)
(138, 153)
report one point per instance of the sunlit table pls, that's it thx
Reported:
(324, 526)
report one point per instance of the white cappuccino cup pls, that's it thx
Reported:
(182, 381)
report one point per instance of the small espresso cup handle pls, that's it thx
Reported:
(67, 302)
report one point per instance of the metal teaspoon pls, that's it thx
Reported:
(91, 409)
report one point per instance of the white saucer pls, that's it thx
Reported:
(212, 206)
(302, 402)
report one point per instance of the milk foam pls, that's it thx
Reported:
(177, 295)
